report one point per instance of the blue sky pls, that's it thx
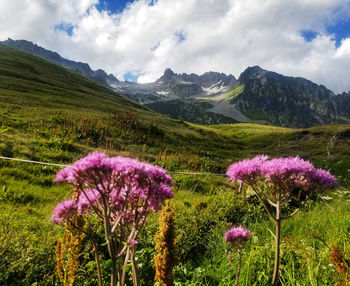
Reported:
(115, 6)
(340, 28)
(137, 40)
(68, 28)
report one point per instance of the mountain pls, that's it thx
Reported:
(183, 96)
(171, 86)
(342, 101)
(205, 82)
(99, 75)
(210, 79)
(287, 101)
(174, 84)
(258, 96)
(34, 81)
(51, 113)
(167, 95)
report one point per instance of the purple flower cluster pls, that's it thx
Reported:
(64, 210)
(281, 172)
(325, 179)
(275, 182)
(237, 236)
(126, 186)
(247, 170)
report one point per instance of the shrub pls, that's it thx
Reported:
(276, 182)
(117, 193)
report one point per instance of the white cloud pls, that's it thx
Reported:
(219, 35)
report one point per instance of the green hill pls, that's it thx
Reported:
(40, 83)
(51, 114)
(44, 102)
(70, 114)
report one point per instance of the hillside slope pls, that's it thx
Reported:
(258, 96)
(83, 68)
(49, 112)
(45, 106)
(288, 101)
(39, 82)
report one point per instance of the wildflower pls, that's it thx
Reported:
(237, 236)
(120, 192)
(133, 242)
(275, 182)
(64, 211)
(247, 170)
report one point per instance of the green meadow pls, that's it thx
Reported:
(51, 114)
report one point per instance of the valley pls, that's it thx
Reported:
(257, 96)
(52, 114)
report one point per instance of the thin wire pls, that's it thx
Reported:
(62, 165)
(194, 173)
(33, 162)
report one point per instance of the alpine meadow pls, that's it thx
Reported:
(109, 192)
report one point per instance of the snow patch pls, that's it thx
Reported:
(162, 92)
(215, 88)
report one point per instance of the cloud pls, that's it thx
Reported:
(190, 36)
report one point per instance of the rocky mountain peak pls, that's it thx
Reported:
(259, 95)
(286, 101)
(168, 74)
(251, 72)
(210, 78)
(205, 80)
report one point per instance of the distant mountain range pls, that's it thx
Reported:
(83, 68)
(212, 98)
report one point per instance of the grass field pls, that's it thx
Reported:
(50, 114)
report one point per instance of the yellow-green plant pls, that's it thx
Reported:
(67, 255)
(166, 256)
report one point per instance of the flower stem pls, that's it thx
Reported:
(239, 266)
(122, 282)
(97, 260)
(278, 238)
(135, 274)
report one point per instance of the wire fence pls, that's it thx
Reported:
(62, 165)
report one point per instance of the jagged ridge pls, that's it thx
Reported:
(211, 98)
(99, 75)
(288, 101)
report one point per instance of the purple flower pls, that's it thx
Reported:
(92, 162)
(275, 182)
(106, 171)
(133, 242)
(64, 211)
(282, 173)
(293, 169)
(115, 192)
(237, 236)
(123, 183)
(248, 170)
(324, 179)
(162, 193)
(88, 199)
